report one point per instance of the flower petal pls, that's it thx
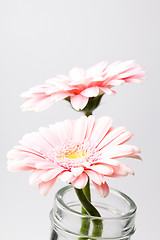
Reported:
(81, 181)
(79, 102)
(107, 90)
(79, 124)
(116, 82)
(122, 138)
(108, 161)
(44, 165)
(60, 96)
(90, 126)
(96, 70)
(63, 130)
(35, 141)
(18, 168)
(77, 171)
(90, 92)
(50, 174)
(100, 129)
(48, 135)
(120, 151)
(114, 133)
(102, 169)
(35, 177)
(45, 103)
(96, 177)
(45, 187)
(121, 171)
(77, 74)
(67, 176)
(102, 189)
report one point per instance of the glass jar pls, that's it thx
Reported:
(117, 215)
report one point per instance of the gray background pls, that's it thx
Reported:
(42, 38)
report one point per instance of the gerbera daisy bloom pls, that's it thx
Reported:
(80, 85)
(74, 150)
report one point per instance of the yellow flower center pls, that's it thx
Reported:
(75, 155)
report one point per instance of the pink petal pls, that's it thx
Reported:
(116, 82)
(63, 130)
(50, 174)
(59, 82)
(17, 168)
(60, 96)
(44, 165)
(27, 151)
(96, 70)
(77, 74)
(90, 126)
(67, 176)
(102, 169)
(36, 142)
(45, 187)
(135, 71)
(90, 92)
(77, 171)
(94, 176)
(108, 161)
(35, 177)
(27, 105)
(79, 102)
(133, 80)
(69, 125)
(48, 135)
(120, 151)
(81, 181)
(100, 129)
(121, 171)
(136, 157)
(44, 104)
(110, 136)
(57, 139)
(118, 67)
(102, 189)
(80, 128)
(122, 138)
(29, 161)
(108, 90)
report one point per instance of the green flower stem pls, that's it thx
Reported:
(92, 211)
(85, 225)
(85, 195)
(86, 191)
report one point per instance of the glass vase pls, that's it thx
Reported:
(117, 216)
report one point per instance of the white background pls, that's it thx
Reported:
(42, 38)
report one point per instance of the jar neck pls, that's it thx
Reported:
(117, 211)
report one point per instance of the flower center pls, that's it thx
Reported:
(75, 155)
(70, 155)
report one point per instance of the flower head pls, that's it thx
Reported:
(81, 85)
(74, 150)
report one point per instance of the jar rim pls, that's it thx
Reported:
(59, 197)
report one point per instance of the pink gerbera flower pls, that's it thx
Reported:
(81, 85)
(74, 150)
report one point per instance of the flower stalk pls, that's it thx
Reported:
(92, 211)
(84, 196)
(85, 224)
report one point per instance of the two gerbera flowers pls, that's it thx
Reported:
(75, 150)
